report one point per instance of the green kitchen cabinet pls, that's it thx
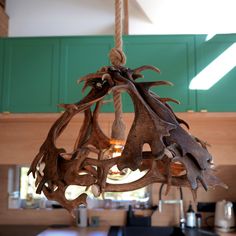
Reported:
(40, 73)
(37, 74)
(221, 96)
(1, 72)
(81, 56)
(31, 71)
(174, 56)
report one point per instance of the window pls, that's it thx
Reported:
(27, 184)
(139, 197)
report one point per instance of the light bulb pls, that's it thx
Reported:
(115, 150)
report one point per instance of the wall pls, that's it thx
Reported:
(3, 22)
(22, 134)
(70, 17)
(81, 17)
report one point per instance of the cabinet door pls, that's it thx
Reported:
(81, 56)
(174, 56)
(221, 97)
(1, 72)
(31, 75)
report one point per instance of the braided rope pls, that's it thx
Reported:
(118, 24)
(117, 58)
(118, 126)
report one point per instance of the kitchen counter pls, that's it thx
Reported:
(103, 231)
(34, 230)
(57, 230)
(169, 231)
(24, 230)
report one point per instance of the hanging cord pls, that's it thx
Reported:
(118, 58)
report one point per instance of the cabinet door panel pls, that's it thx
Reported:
(31, 75)
(81, 56)
(221, 96)
(174, 56)
(1, 72)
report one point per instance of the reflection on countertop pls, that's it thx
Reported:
(75, 231)
(55, 230)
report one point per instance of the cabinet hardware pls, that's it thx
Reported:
(6, 112)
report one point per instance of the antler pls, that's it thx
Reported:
(176, 158)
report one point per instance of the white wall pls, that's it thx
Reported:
(92, 17)
(60, 17)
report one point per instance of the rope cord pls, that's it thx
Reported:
(118, 24)
(117, 58)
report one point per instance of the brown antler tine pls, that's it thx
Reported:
(161, 82)
(148, 85)
(136, 76)
(90, 77)
(85, 86)
(146, 67)
(182, 122)
(164, 100)
(108, 78)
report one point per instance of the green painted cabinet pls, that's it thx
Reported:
(174, 56)
(37, 74)
(31, 73)
(1, 72)
(79, 57)
(221, 96)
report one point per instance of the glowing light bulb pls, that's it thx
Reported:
(116, 149)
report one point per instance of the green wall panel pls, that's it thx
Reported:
(221, 96)
(31, 75)
(1, 72)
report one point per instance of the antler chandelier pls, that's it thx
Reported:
(176, 157)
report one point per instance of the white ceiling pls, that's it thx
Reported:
(96, 17)
(190, 16)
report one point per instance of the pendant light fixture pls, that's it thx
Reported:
(175, 157)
